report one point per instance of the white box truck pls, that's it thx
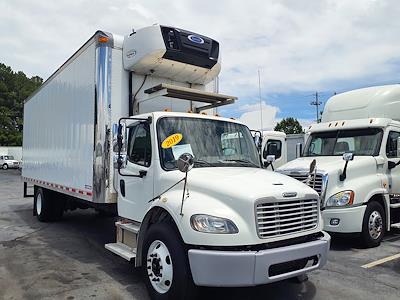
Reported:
(115, 126)
(357, 150)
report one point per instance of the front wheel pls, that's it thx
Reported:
(373, 228)
(5, 167)
(165, 264)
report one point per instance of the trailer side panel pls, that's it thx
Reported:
(59, 128)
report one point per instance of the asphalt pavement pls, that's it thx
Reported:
(67, 260)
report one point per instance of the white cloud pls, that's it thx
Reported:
(252, 116)
(299, 45)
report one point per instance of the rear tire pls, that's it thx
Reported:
(165, 264)
(373, 228)
(46, 206)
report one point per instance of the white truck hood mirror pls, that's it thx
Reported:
(185, 162)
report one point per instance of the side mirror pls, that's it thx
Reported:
(312, 166)
(348, 156)
(398, 147)
(258, 142)
(391, 165)
(185, 162)
(270, 158)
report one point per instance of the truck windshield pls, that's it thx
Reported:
(213, 143)
(334, 143)
(8, 157)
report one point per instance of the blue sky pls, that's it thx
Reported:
(299, 46)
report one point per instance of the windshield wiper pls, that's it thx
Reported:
(202, 163)
(244, 161)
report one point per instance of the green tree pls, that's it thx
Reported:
(15, 87)
(289, 126)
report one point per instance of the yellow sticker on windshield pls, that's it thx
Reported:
(171, 140)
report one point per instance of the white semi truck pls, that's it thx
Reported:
(115, 126)
(357, 151)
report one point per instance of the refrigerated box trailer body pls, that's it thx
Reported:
(111, 127)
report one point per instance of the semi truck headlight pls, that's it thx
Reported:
(341, 199)
(211, 224)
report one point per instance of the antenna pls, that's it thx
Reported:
(259, 94)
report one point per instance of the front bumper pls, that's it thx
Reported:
(249, 268)
(13, 166)
(350, 219)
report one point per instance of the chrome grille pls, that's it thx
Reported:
(303, 178)
(285, 217)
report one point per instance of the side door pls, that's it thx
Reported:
(137, 190)
(393, 155)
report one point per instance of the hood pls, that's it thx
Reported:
(245, 183)
(327, 164)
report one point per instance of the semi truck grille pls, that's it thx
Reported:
(303, 178)
(281, 218)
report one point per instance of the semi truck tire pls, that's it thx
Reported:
(46, 207)
(165, 264)
(373, 228)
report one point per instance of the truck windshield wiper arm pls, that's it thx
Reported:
(245, 161)
(202, 163)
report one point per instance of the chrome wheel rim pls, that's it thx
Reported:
(375, 225)
(39, 203)
(159, 267)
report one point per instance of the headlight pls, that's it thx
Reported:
(341, 199)
(211, 224)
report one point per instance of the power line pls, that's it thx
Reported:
(316, 103)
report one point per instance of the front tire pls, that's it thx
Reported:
(5, 166)
(165, 264)
(373, 228)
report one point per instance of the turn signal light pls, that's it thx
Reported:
(103, 39)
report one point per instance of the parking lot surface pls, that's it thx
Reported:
(67, 260)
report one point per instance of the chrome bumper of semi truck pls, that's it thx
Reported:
(250, 268)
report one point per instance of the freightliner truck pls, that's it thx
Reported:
(121, 123)
(357, 152)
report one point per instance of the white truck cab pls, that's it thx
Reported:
(195, 206)
(273, 143)
(356, 148)
(8, 162)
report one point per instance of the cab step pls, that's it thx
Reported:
(122, 250)
(131, 227)
(395, 205)
(395, 226)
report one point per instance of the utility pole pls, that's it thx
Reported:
(317, 103)
(259, 94)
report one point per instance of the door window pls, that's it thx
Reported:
(270, 145)
(391, 145)
(139, 151)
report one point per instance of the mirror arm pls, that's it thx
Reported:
(394, 165)
(343, 176)
(267, 164)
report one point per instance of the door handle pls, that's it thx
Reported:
(122, 187)
(142, 173)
